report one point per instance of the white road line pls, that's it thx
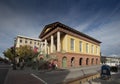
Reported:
(39, 78)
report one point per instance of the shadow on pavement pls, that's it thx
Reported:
(3, 73)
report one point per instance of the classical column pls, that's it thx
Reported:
(58, 42)
(52, 43)
(42, 47)
(45, 46)
(66, 43)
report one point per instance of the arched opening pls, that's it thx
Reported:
(87, 61)
(96, 61)
(92, 61)
(41, 59)
(80, 61)
(72, 61)
(64, 62)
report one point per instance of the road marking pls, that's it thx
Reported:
(39, 78)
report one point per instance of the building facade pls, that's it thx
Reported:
(111, 61)
(71, 47)
(23, 40)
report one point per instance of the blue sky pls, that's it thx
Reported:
(97, 18)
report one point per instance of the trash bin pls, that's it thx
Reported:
(105, 72)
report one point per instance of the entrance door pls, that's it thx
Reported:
(64, 62)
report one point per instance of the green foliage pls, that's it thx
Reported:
(8, 53)
(25, 52)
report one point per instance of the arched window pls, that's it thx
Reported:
(72, 61)
(87, 61)
(80, 61)
(96, 61)
(64, 62)
(92, 61)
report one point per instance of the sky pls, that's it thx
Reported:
(99, 19)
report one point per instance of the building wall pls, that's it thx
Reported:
(65, 46)
(20, 41)
(76, 54)
(57, 38)
(69, 56)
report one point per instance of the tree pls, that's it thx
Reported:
(9, 54)
(25, 52)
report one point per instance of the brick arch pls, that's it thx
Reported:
(64, 61)
(80, 61)
(87, 61)
(96, 60)
(92, 61)
(72, 61)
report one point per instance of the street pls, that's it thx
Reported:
(3, 72)
(60, 76)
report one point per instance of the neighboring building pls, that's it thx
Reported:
(111, 61)
(23, 40)
(71, 47)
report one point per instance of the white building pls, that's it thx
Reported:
(23, 40)
(111, 61)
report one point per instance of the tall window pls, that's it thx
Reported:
(72, 44)
(34, 42)
(20, 40)
(87, 46)
(96, 50)
(25, 41)
(92, 49)
(30, 42)
(80, 46)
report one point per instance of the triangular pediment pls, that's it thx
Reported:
(66, 29)
(48, 28)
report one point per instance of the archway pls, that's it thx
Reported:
(72, 61)
(96, 61)
(80, 61)
(41, 59)
(87, 61)
(92, 61)
(64, 62)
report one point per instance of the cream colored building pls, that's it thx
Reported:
(72, 48)
(23, 40)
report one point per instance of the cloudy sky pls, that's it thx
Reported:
(97, 18)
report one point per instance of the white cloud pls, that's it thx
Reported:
(13, 23)
(109, 35)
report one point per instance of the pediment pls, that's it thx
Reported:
(66, 29)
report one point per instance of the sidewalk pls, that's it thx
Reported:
(21, 77)
(29, 76)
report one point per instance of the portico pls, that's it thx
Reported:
(71, 47)
(51, 44)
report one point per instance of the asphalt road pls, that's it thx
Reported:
(3, 72)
